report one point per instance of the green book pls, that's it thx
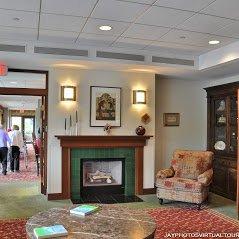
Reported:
(84, 210)
(50, 232)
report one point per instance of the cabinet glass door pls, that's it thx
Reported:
(220, 124)
(233, 125)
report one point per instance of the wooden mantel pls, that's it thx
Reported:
(100, 141)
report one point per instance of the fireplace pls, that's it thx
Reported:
(75, 148)
(102, 175)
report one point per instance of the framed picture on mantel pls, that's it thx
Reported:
(105, 106)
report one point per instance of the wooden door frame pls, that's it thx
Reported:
(33, 92)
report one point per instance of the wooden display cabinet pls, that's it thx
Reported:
(222, 137)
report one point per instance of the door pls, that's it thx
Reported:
(237, 156)
(28, 128)
(43, 155)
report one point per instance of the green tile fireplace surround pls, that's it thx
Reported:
(78, 154)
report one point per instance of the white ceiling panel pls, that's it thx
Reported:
(12, 18)
(189, 5)
(95, 40)
(166, 17)
(69, 7)
(57, 36)
(118, 10)
(61, 22)
(92, 26)
(19, 102)
(24, 80)
(193, 38)
(145, 32)
(131, 43)
(224, 8)
(25, 5)
(229, 31)
(142, 1)
(205, 23)
(18, 33)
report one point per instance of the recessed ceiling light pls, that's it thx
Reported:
(214, 42)
(105, 28)
(16, 19)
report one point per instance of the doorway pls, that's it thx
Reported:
(28, 84)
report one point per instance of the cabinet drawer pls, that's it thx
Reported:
(225, 163)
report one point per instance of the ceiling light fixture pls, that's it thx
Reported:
(13, 82)
(105, 28)
(214, 42)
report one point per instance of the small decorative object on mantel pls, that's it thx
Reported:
(107, 128)
(65, 127)
(140, 130)
(145, 118)
(77, 124)
(70, 129)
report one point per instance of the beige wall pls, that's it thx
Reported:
(131, 114)
(189, 99)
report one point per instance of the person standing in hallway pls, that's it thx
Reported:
(4, 139)
(16, 145)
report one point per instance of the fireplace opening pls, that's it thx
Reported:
(102, 176)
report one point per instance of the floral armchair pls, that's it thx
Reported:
(187, 179)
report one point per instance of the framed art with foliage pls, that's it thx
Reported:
(105, 106)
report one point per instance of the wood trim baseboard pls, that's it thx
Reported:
(149, 191)
(55, 196)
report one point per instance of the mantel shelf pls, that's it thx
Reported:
(99, 141)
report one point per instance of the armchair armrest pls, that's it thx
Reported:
(165, 173)
(206, 177)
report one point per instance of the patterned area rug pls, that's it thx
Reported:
(184, 221)
(28, 173)
(13, 229)
(169, 221)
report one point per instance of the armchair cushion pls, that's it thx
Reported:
(179, 184)
(206, 177)
(165, 173)
(190, 164)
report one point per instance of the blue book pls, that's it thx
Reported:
(84, 210)
(50, 232)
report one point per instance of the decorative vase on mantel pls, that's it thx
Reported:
(140, 130)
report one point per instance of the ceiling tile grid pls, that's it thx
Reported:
(70, 7)
(135, 23)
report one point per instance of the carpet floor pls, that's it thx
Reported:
(171, 222)
(28, 170)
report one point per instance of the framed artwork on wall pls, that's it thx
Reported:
(105, 106)
(171, 119)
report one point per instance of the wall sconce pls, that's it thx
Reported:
(139, 97)
(68, 93)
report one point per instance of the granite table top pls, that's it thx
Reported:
(111, 222)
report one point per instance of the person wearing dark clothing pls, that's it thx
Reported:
(4, 139)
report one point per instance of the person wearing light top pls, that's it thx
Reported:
(16, 145)
(4, 139)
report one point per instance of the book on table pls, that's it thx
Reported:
(84, 209)
(50, 232)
